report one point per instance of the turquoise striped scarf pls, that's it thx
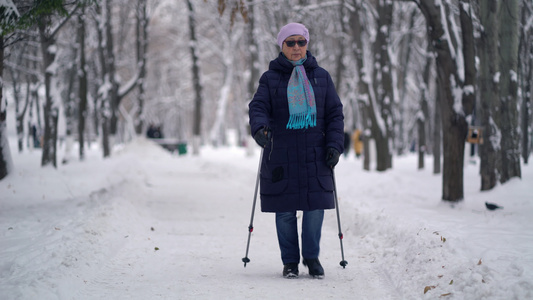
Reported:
(302, 107)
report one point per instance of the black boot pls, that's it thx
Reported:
(290, 270)
(315, 268)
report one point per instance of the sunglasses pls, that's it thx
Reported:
(301, 43)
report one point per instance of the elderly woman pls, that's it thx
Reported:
(296, 115)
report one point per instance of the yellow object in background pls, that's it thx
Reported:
(357, 139)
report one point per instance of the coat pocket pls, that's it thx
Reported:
(322, 168)
(274, 173)
(323, 172)
(326, 182)
(273, 187)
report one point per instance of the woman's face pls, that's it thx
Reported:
(297, 52)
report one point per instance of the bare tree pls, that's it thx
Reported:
(437, 132)
(365, 95)
(47, 33)
(141, 34)
(197, 123)
(67, 93)
(5, 154)
(382, 125)
(525, 66)
(230, 39)
(489, 91)
(510, 143)
(423, 121)
(8, 19)
(500, 156)
(404, 57)
(447, 45)
(82, 83)
(16, 75)
(112, 91)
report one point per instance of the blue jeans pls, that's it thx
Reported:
(287, 228)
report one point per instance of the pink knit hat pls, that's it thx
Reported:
(292, 29)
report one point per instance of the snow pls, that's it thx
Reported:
(9, 8)
(9, 14)
(146, 224)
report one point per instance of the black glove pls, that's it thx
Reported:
(332, 157)
(262, 136)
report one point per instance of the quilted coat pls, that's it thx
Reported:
(294, 175)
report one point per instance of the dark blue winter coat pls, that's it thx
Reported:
(294, 175)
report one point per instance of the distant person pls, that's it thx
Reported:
(158, 133)
(358, 143)
(296, 115)
(36, 137)
(154, 132)
(347, 142)
(150, 131)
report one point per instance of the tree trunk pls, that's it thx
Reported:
(526, 66)
(254, 71)
(217, 131)
(489, 151)
(34, 126)
(111, 72)
(405, 58)
(105, 135)
(142, 48)
(17, 55)
(35, 101)
(51, 112)
(254, 56)
(29, 103)
(339, 59)
(526, 112)
(365, 135)
(454, 125)
(82, 82)
(421, 142)
(424, 106)
(421, 122)
(106, 75)
(510, 143)
(382, 127)
(197, 120)
(437, 133)
(69, 104)
(19, 113)
(366, 97)
(423, 115)
(469, 53)
(5, 153)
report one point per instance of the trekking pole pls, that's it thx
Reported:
(245, 259)
(343, 263)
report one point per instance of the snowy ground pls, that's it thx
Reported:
(146, 224)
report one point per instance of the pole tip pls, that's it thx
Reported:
(343, 264)
(245, 260)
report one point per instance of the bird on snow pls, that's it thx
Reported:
(492, 206)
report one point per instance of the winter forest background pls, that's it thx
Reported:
(419, 75)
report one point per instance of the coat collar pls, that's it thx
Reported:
(281, 64)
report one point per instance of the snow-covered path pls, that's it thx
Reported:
(149, 225)
(157, 226)
(199, 212)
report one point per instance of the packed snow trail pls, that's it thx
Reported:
(186, 234)
(148, 224)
